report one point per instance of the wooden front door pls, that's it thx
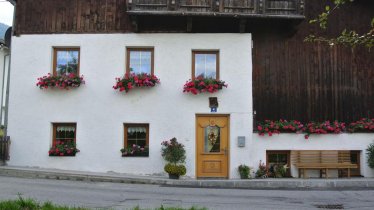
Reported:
(212, 146)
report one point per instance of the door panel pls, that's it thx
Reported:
(212, 146)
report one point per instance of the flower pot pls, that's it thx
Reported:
(173, 176)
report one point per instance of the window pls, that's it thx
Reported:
(275, 159)
(64, 133)
(66, 61)
(205, 64)
(136, 140)
(140, 60)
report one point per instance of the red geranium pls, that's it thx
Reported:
(200, 85)
(129, 81)
(64, 81)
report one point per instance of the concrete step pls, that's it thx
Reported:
(270, 183)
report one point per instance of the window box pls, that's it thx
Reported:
(201, 85)
(60, 81)
(63, 149)
(132, 80)
(135, 151)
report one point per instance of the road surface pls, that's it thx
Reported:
(126, 196)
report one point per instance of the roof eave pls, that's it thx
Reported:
(12, 2)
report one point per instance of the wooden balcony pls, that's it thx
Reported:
(287, 9)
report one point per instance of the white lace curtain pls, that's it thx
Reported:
(65, 128)
(132, 130)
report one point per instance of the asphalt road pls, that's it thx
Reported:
(125, 196)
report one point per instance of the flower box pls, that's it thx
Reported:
(364, 125)
(324, 128)
(279, 126)
(130, 81)
(201, 85)
(135, 151)
(63, 149)
(65, 81)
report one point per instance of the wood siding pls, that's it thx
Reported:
(71, 16)
(310, 81)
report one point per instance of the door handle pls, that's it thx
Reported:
(225, 150)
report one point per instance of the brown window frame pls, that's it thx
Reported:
(146, 49)
(55, 49)
(128, 125)
(63, 124)
(282, 152)
(215, 52)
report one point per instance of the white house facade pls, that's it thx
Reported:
(99, 112)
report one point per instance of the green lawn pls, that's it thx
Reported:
(30, 204)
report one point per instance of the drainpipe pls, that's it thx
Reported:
(13, 2)
(7, 98)
(3, 89)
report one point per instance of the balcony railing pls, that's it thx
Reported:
(236, 8)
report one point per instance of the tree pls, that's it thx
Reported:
(346, 37)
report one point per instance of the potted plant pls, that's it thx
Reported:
(244, 171)
(262, 171)
(175, 154)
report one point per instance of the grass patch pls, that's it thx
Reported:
(30, 204)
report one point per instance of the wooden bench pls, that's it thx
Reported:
(322, 160)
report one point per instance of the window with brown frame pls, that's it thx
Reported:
(277, 159)
(136, 141)
(140, 60)
(66, 61)
(205, 64)
(64, 133)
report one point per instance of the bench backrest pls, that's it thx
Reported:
(320, 156)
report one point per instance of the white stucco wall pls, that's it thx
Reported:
(359, 142)
(100, 112)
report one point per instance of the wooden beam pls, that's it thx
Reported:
(189, 24)
(134, 22)
(242, 24)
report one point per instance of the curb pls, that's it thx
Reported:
(291, 183)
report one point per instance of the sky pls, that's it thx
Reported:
(6, 12)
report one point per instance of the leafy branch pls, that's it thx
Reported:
(346, 37)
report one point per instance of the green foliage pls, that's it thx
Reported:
(347, 37)
(280, 171)
(262, 171)
(178, 170)
(244, 171)
(1, 133)
(370, 154)
(30, 204)
(173, 152)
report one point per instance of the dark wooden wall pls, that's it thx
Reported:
(71, 16)
(310, 81)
